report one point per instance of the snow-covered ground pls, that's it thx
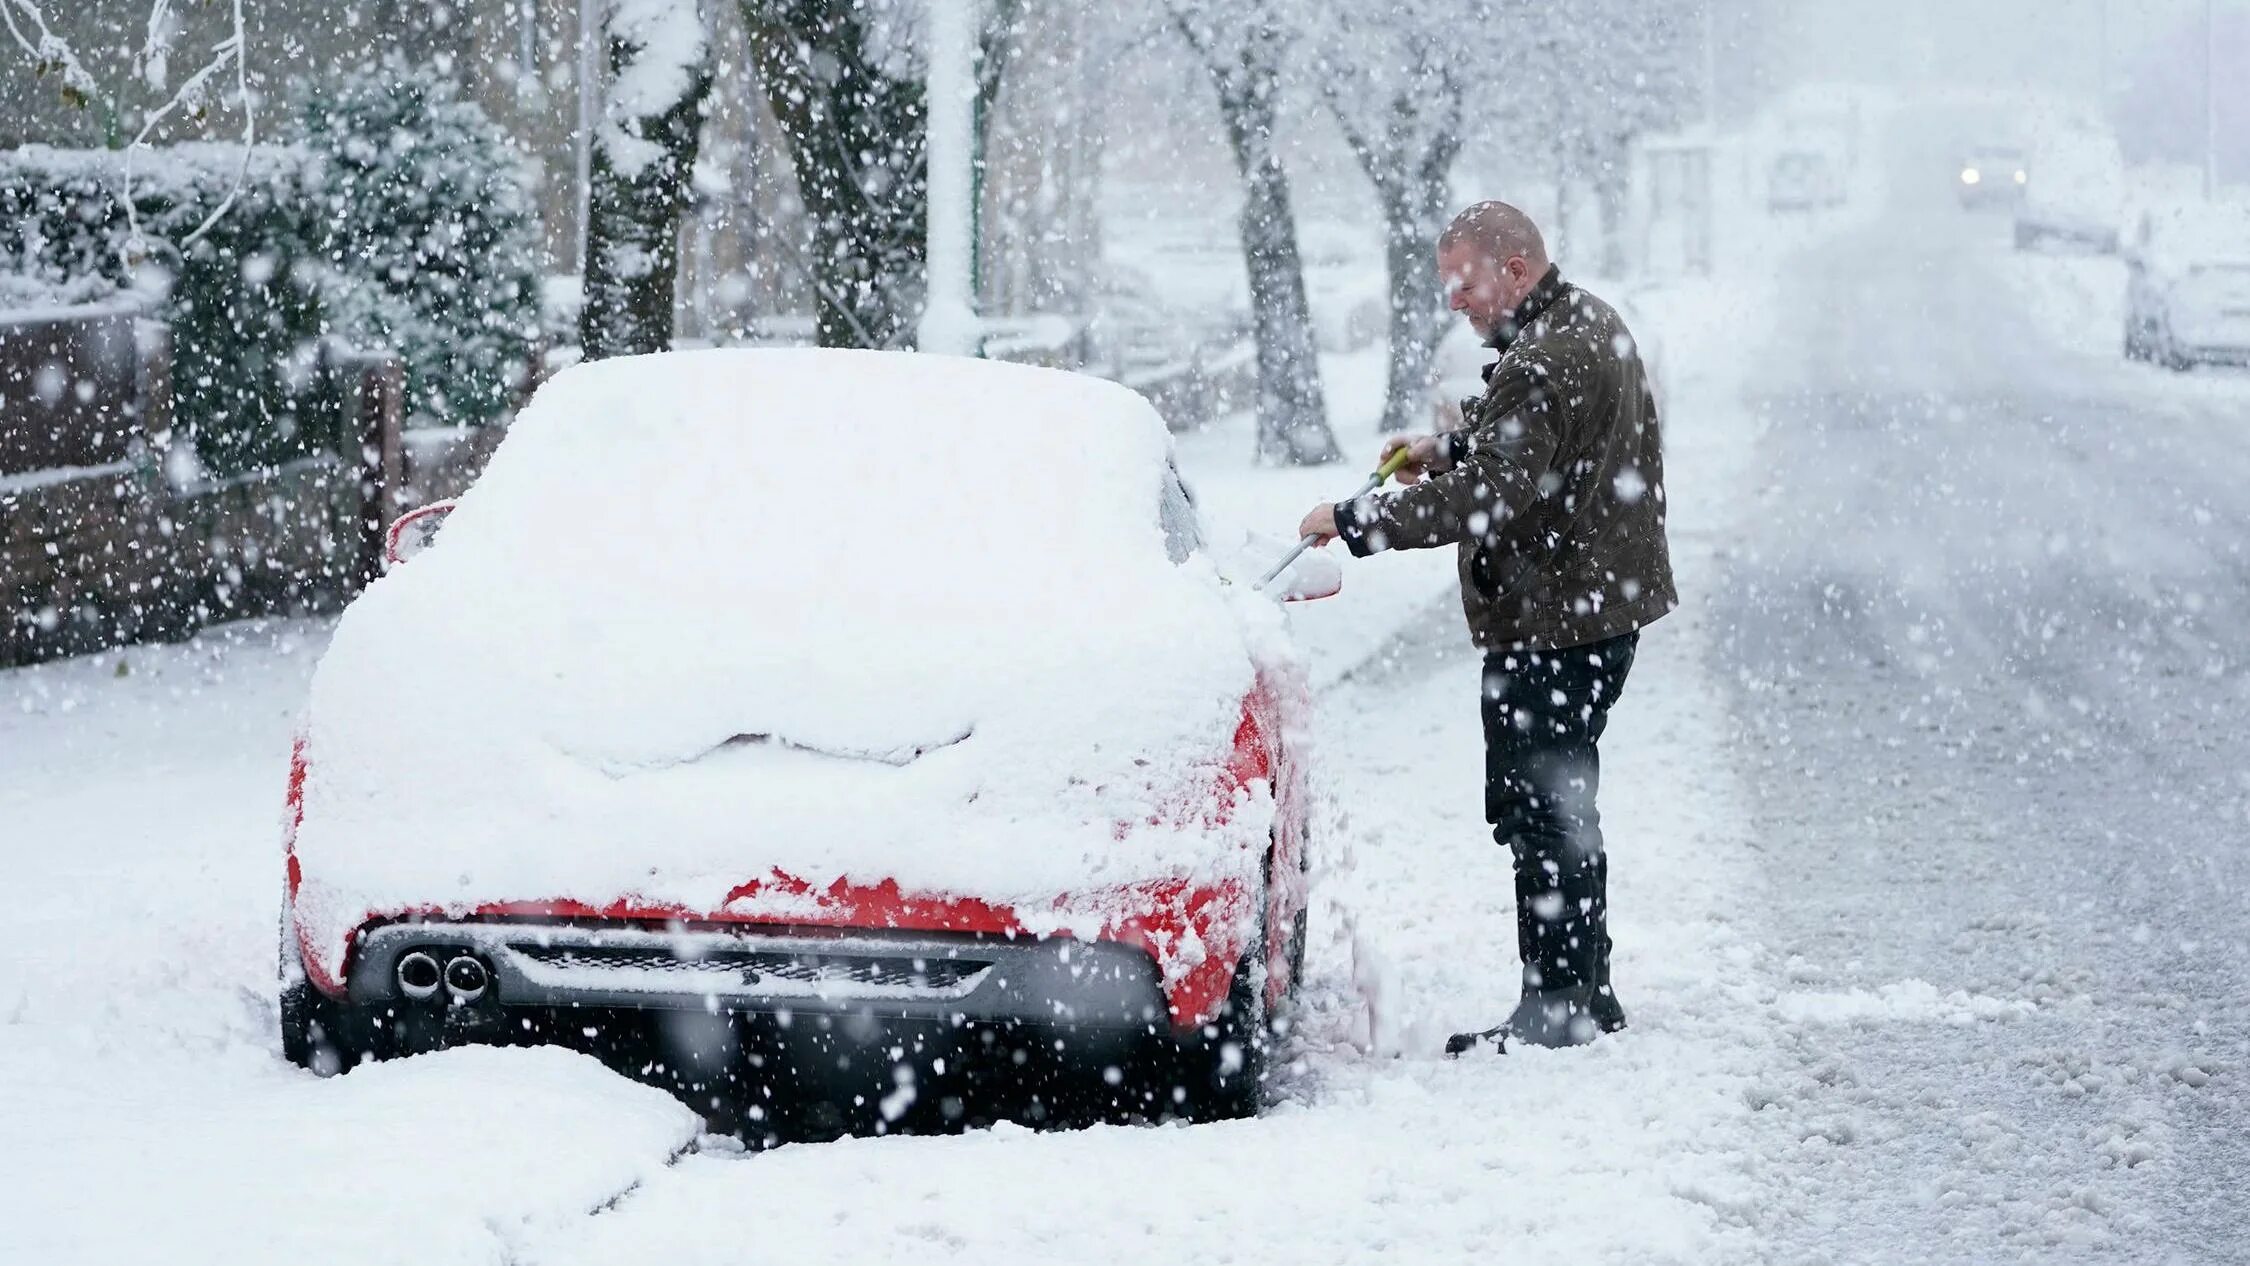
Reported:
(1828, 1062)
(141, 790)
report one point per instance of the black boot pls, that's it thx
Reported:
(1543, 1017)
(1559, 936)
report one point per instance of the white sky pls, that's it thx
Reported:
(2049, 44)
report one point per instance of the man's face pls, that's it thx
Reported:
(1482, 288)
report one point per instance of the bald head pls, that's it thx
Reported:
(1489, 259)
(1497, 231)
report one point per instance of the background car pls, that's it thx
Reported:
(796, 701)
(2188, 288)
(2078, 199)
(1993, 176)
(1803, 180)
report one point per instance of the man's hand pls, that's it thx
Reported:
(1320, 521)
(1425, 456)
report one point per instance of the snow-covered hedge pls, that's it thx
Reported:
(398, 219)
(243, 300)
(427, 222)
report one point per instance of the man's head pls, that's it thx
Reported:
(1489, 259)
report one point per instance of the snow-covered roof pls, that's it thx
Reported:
(850, 614)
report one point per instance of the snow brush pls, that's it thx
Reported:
(1374, 481)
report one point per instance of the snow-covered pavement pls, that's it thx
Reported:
(142, 790)
(141, 1055)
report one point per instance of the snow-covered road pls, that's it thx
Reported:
(1986, 634)
(1926, 815)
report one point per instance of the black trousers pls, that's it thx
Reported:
(1544, 713)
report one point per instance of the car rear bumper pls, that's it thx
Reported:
(2217, 353)
(2205, 331)
(2034, 222)
(953, 978)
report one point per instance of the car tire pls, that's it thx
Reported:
(2174, 359)
(316, 1032)
(1221, 1068)
(327, 1037)
(1219, 1071)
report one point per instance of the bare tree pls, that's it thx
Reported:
(1618, 69)
(52, 53)
(1244, 44)
(845, 80)
(1394, 84)
(644, 151)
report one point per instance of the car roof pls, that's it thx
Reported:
(2202, 230)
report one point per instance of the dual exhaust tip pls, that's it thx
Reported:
(464, 976)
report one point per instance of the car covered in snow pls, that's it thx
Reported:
(1803, 180)
(2188, 285)
(1993, 175)
(844, 691)
(2078, 201)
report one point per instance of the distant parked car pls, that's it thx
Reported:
(1803, 180)
(1994, 176)
(839, 691)
(2079, 197)
(2188, 293)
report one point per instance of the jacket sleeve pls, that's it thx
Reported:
(1496, 475)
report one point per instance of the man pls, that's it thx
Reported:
(1553, 491)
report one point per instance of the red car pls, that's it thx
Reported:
(840, 691)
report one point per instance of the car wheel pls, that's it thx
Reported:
(316, 1032)
(328, 1037)
(1221, 1068)
(2174, 358)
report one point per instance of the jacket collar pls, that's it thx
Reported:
(1542, 297)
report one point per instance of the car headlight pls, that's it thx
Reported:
(1970, 175)
(2022, 177)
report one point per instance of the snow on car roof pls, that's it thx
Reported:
(850, 614)
(2197, 232)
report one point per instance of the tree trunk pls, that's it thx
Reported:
(857, 139)
(1611, 190)
(1559, 232)
(1412, 180)
(639, 192)
(1410, 232)
(1292, 410)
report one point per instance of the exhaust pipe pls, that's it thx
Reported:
(466, 978)
(417, 974)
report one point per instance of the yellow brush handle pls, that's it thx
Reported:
(1374, 481)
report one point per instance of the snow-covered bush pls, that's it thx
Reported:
(426, 225)
(242, 301)
(400, 219)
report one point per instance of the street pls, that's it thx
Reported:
(1986, 636)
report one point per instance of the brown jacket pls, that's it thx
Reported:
(1556, 492)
